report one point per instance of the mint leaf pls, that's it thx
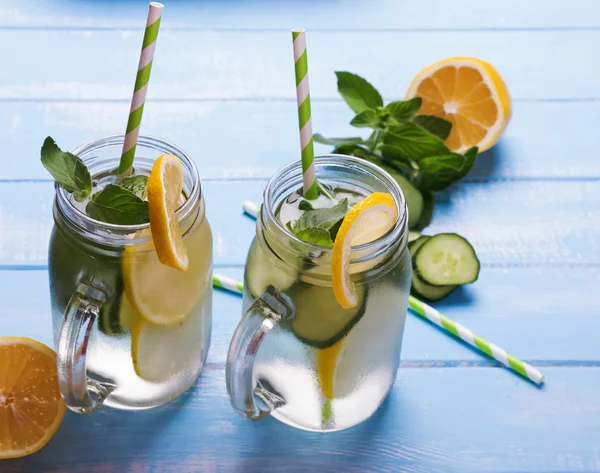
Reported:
(318, 138)
(354, 150)
(326, 411)
(305, 205)
(403, 111)
(436, 173)
(435, 125)
(323, 218)
(413, 143)
(136, 184)
(365, 119)
(119, 206)
(397, 158)
(357, 92)
(470, 157)
(69, 170)
(315, 235)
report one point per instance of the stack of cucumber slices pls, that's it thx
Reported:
(441, 263)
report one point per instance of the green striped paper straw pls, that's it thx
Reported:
(139, 90)
(251, 209)
(225, 282)
(304, 115)
(490, 349)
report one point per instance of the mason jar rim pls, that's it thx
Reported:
(293, 170)
(81, 219)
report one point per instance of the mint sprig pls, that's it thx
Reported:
(67, 169)
(319, 226)
(117, 205)
(411, 144)
(122, 204)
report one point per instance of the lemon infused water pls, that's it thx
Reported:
(322, 367)
(131, 332)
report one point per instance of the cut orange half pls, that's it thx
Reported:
(165, 185)
(469, 93)
(367, 221)
(31, 408)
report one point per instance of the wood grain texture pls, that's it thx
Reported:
(434, 420)
(222, 88)
(509, 223)
(494, 307)
(237, 64)
(313, 14)
(240, 139)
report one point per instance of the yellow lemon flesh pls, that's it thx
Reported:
(165, 185)
(470, 94)
(31, 408)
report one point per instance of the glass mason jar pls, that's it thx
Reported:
(296, 353)
(104, 278)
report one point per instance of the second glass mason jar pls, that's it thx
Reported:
(297, 354)
(104, 278)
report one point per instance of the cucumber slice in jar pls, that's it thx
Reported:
(109, 320)
(262, 273)
(319, 320)
(446, 259)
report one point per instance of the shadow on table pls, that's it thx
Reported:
(289, 449)
(104, 437)
(487, 163)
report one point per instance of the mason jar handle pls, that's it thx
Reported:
(81, 394)
(254, 400)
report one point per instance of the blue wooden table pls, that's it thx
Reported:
(222, 88)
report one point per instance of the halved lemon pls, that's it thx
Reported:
(368, 220)
(31, 408)
(165, 185)
(469, 93)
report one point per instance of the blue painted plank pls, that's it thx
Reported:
(228, 64)
(313, 14)
(547, 316)
(253, 139)
(509, 223)
(434, 420)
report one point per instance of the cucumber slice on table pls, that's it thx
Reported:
(414, 199)
(426, 291)
(414, 245)
(319, 320)
(420, 288)
(446, 259)
(261, 273)
(413, 196)
(412, 236)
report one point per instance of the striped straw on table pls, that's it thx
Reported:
(458, 330)
(250, 208)
(224, 282)
(490, 349)
(304, 114)
(140, 89)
